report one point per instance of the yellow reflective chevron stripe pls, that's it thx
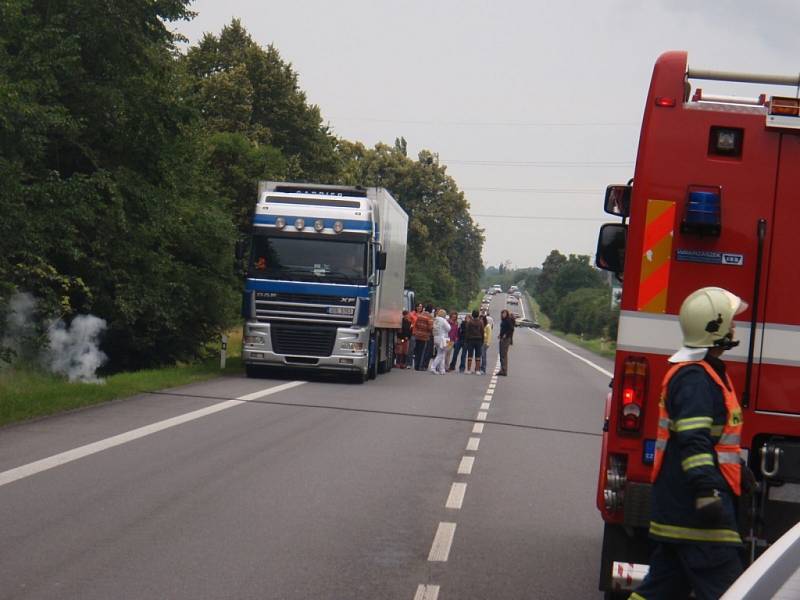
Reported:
(698, 460)
(692, 423)
(635, 596)
(694, 534)
(716, 430)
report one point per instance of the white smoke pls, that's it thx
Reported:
(73, 349)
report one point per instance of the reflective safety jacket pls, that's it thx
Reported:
(697, 452)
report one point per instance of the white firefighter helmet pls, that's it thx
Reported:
(706, 319)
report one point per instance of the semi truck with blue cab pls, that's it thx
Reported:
(325, 279)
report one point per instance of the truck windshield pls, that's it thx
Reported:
(304, 259)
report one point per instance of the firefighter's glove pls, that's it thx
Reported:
(749, 483)
(709, 509)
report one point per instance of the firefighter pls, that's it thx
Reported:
(697, 472)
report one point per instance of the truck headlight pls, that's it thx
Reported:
(253, 339)
(352, 346)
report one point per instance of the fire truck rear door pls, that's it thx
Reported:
(779, 375)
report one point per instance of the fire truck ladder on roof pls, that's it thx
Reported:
(730, 76)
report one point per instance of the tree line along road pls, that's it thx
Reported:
(412, 486)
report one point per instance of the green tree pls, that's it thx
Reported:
(106, 205)
(444, 255)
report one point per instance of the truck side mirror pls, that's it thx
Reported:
(239, 249)
(618, 200)
(381, 261)
(611, 247)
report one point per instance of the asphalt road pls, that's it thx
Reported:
(412, 486)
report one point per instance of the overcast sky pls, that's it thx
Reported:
(534, 106)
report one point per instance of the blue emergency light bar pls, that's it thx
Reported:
(703, 213)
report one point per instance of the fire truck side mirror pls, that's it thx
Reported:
(611, 247)
(618, 200)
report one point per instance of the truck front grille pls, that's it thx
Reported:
(288, 308)
(303, 340)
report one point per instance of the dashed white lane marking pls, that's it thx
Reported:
(571, 353)
(465, 466)
(477, 428)
(472, 444)
(488, 398)
(481, 416)
(491, 387)
(427, 592)
(442, 541)
(456, 497)
(134, 434)
(485, 405)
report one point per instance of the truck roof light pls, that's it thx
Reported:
(280, 223)
(789, 107)
(319, 225)
(665, 101)
(299, 224)
(338, 227)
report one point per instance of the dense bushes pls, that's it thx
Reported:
(128, 171)
(576, 296)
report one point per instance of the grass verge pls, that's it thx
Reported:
(27, 393)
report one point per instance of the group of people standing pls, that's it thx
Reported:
(431, 340)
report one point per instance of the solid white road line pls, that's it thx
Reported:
(473, 443)
(465, 466)
(442, 541)
(571, 353)
(456, 497)
(485, 405)
(477, 428)
(482, 416)
(427, 592)
(68, 456)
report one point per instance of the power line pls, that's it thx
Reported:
(553, 164)
(593, 192)
(468, 123)
(538, 218)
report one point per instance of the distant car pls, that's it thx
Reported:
(528, 323)
(513, 300)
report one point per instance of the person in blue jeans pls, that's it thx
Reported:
(487, 339)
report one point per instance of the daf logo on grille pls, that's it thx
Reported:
(347, 300)
(265, 295)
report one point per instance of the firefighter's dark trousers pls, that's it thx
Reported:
(677, 569)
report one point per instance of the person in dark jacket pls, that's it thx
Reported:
(697, 472)
(460, 347)
(403, 339)
(423, 333)
(506, 337)
(473, 334)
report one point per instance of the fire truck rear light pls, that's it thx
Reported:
(628, 396)
(633, 394)
(665, 101)
(789, 107)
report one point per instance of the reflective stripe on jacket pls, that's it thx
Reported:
(727, 448)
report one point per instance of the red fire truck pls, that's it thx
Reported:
(713, 201)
